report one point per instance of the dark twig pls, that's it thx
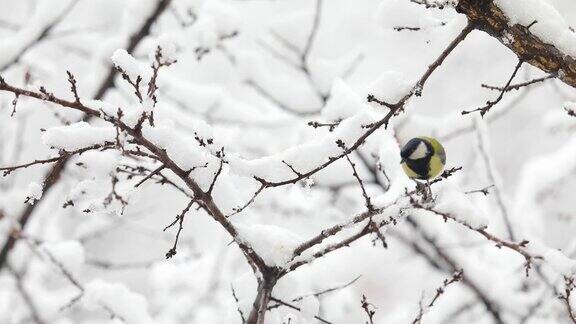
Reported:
(114, 195)
(568, 288)
(220, 154)
(150, 175)
(490, 103)
(63, 155)
(457, 276)
(519, 247)
(73, 86)
(408, 28)
(483, 191)
(367, 200)
(493, 178)
(329, 290)
(238, 306)
(292, 168)
(289, 305)
(160, 178)
(369, 309)
(518, 86)
(34, 313)
(120, 265)
(331, 126)
(439, 4)
(159, 62)
(446, 174)
(442, 260)
(238, 210)
(180, 220)
(14, 103)
(417, 89)
(318, 294)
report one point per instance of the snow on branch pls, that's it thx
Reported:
(532, 29)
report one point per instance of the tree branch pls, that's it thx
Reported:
(485, 15)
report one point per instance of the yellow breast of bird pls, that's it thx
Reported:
(436, 166)
(411, 174)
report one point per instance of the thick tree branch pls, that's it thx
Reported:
(488, 17)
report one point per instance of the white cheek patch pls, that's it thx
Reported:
(419, 152)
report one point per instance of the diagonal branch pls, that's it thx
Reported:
(485, 15)
(491, 103)
(394, 109)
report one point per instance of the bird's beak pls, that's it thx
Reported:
(402, 160)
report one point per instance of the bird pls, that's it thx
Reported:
(423, 158)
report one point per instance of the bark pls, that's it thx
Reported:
(488, 17)
(261, 301)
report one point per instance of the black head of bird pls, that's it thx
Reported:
(423, 158)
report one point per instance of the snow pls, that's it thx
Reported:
(399, 13)
(99, 164)
(390, 87)
(123, 60)
(458, 205)
(45, 14)
(131, 306)
(204, 33)
(135, 13)
(558, 119)
(327, 70)
(560, 262)
(194, 96)
(273, 243)
(34, 192)
(309, 307)
(305, 157)
(343, 102)
(550, 25)
(244, 286)
(225, 17)
(70, 254)
(216, 20)
(130, 113)
(77, 136)
(388, 152)
(102, 106)
(168, 49)
(537, 175)
(185, 151)
(295, 26)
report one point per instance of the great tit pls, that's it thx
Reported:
(423, 158)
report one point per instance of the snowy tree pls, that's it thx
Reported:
(238, 161)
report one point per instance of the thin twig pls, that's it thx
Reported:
(491, 103)
(180, 220)
(568, 288)
(289, 305)
(518, 86)
(457, 276)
